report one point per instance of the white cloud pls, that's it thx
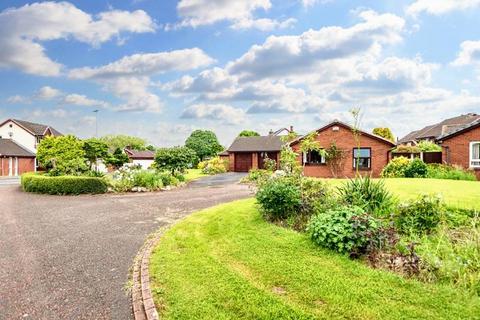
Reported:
(146, 64)
(225, 113)
(196, 13)
(264, 24)
(290, 55)
(23, 29)
(18, 99)
(469, 54)
(129, 77)
(440, 7)
(82, 100)
(47, 93)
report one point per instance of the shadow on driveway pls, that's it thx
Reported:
(218, 180)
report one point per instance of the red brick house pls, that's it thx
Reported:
(15, 159)
(462, 147)
(371, 157)
(248, 153)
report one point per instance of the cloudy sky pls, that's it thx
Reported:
(159, 69)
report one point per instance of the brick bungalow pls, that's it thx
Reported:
(372, 155)
(462, 147)
(144, 158)
(248, 153)
(15, 159)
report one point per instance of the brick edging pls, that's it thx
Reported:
(142, 298)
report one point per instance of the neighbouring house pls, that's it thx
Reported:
(462, 147)
(224, 156)
(18, 147)
(248, 153)
(370, 153)
(144, 158)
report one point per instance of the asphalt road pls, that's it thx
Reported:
(69, 257)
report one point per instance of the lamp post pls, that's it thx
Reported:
(96, 123)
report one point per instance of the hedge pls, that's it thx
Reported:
(63, 185)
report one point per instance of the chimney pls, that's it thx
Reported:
(270, 132)
(291, 129)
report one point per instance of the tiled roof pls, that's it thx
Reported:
(442, 128)
(140, 154)
(36, 128)
(256, 144)
(9, 147)
(459, 129)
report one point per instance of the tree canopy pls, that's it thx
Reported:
(122, 141)
(248, 133)
(62, 155)
(95, 149)
(176, 159)
(117, 159)
(204, 143)
(384, 133)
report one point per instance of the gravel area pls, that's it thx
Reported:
(69, 257)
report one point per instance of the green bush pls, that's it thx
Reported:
(257, 176)
(346, 229)
(416, 169)
(279, 198)
(396, 168)
(316, 195)
(428, 146)
(148, 179)
(63, 185)
(168, 179)
(372, 196)
(420, 215)
(442, 171)
(213, 166)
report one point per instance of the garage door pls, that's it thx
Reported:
(243, 162)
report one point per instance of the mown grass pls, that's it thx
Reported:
(456, 193)
(193, 174)
(226, 262)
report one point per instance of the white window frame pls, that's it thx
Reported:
(471, 159)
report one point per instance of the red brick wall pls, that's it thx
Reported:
(344, 140)
(24, 165)
(456, 149)
(3, 166)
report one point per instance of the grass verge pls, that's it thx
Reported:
(226, 262)
(194, 174)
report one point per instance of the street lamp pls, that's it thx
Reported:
(96, 123)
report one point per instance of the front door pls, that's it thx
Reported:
(243, 162)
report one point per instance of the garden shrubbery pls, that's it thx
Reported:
(213, 166)
(402, 167)
(421, 215)
(134, 178)
(279, 198)
(63, 185)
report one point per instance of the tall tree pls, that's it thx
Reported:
(95, 149)
(248, 133)
(121, 141)
(117, 159)
(204, 143)
(384, 133)
(176, 159)
(62, 155)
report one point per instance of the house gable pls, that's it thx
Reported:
(10, 129)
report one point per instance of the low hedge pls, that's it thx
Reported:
(63, 185)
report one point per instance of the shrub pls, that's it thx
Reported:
(428, 146)
(270, 164)
(279, 198)
(147, 179)
(416, 169)
(316, 195)
(372, 196)
(420, 215)
(176, 159)
(406, 149)
(396, 168)
(213, 166)
(168, 179)
(63, 185)
(346, 229)
(442, 171)
(257, 176)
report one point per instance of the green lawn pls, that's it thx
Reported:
(226, 262)
(462, 194)
(194, 174)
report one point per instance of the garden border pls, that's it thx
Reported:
(142, 298)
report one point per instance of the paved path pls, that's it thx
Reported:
(69, 257)
(8, 181)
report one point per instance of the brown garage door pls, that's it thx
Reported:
(243, 162)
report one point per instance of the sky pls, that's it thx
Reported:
(160, 69)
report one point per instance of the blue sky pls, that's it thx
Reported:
(160, 69)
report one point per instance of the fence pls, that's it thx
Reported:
(427, 157)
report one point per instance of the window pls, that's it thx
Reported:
(314, 158)
(362, 156)
(475, 154)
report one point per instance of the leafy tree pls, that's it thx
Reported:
(310, 143)
(176, 159)
(95, 149)
(248, 133)
(150, 147)
(62, 155)
(384, 133)
(121, 141)
(204, 143)
(117, 159)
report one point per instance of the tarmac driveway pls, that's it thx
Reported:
(69, 257)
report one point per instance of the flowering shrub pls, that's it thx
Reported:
(129, 177)
(213, 166)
